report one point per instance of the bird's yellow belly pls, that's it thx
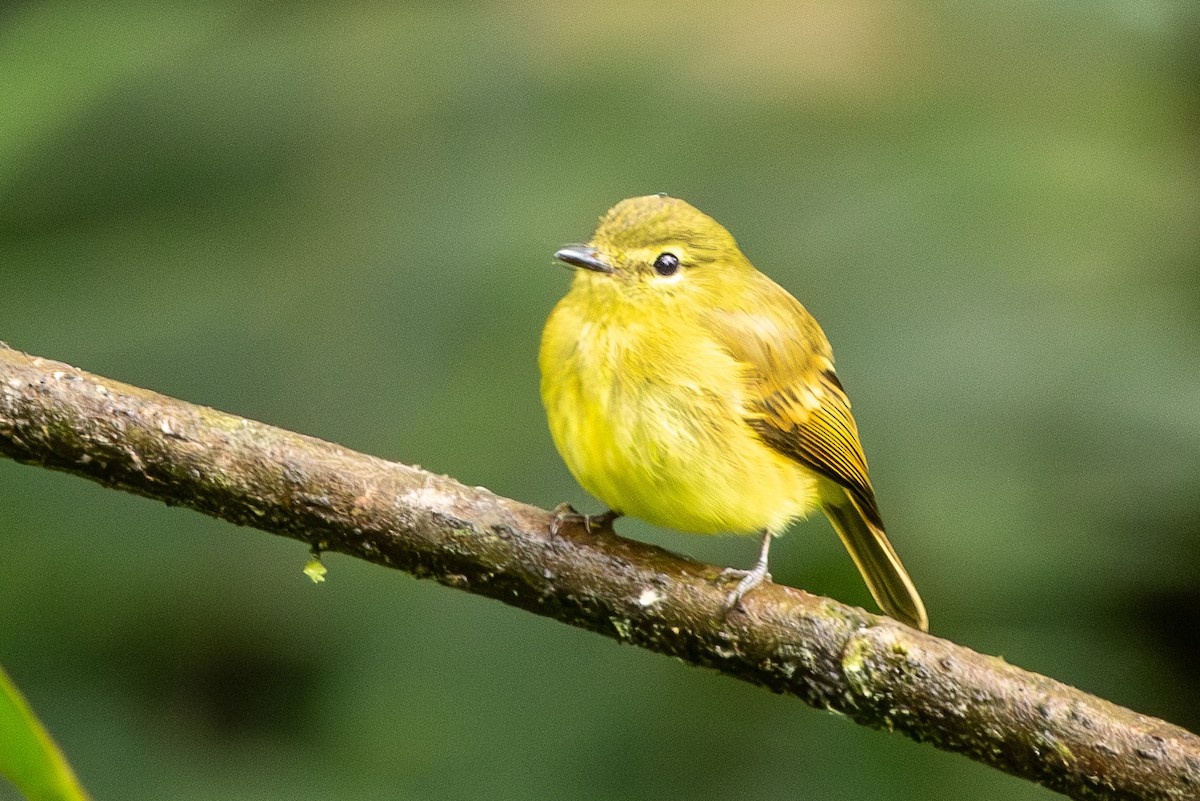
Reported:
(674, 449)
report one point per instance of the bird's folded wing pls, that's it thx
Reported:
(795, 401)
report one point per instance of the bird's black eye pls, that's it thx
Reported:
(666, 264)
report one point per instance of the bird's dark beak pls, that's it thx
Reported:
(579, 256)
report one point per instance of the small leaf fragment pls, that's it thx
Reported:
(315, 570)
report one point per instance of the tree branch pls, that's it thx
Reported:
(876, 671)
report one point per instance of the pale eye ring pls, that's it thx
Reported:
(666, 264)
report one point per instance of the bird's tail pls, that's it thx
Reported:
(868, 545)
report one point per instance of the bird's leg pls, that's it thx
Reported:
(750, 578)
(565, 514)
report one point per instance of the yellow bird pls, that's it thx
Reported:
(686, 388)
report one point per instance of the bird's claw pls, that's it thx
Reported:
(748, 580)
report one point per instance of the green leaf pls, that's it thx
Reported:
(28, 757)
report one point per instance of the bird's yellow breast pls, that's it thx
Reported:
(654, 426)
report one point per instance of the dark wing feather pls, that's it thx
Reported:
(824, 438)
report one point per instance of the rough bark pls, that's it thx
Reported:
(876, 671)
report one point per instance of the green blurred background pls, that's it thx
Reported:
(339, 219)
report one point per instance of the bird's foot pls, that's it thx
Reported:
(565, 515)
(749, 579)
